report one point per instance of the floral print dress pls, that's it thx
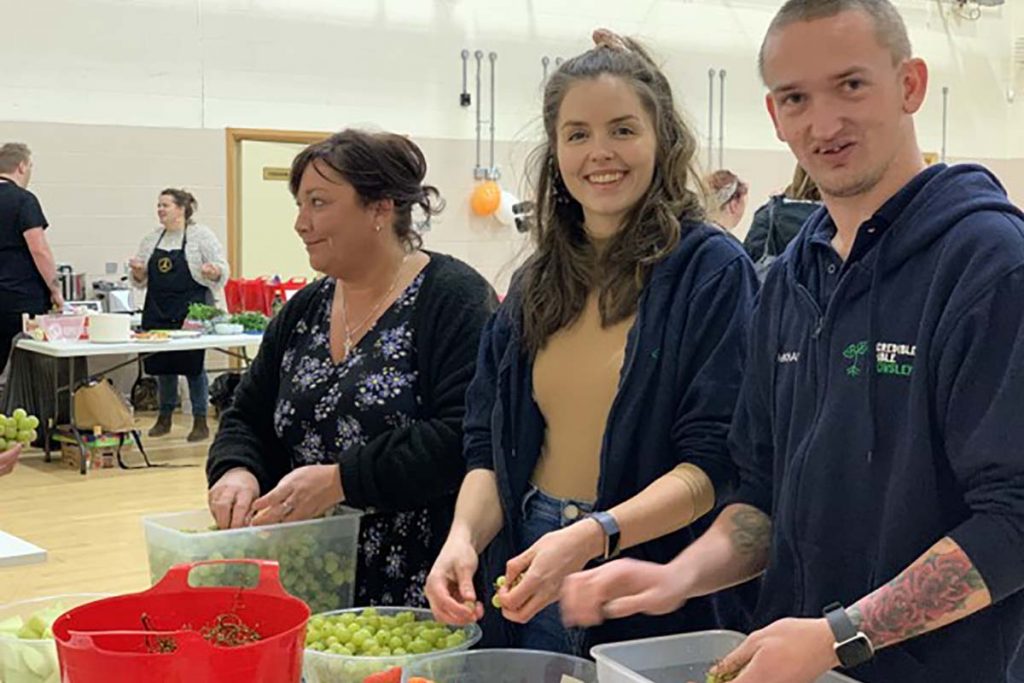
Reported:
(325, 408)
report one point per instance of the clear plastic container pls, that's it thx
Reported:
(62, 327)
(34, 661)
(504, 666)
(317, 557)
(675, 659)
(324, 667)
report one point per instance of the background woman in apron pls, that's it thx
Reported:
(180, 263)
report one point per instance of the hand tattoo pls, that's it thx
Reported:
(752, 532)
(939, 588)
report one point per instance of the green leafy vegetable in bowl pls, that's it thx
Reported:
(252, 321)
(203, 312)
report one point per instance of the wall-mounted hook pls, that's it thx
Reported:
(544, 62)
(465, 99)
(493, 56)
(479, 172)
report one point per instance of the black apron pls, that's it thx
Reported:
(170, 290)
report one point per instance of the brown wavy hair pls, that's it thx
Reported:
(565, 267)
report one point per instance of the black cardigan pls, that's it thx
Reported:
(401, 469)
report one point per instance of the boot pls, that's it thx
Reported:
(200, 432)
(162, 426)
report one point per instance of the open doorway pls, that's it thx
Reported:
(260, 210)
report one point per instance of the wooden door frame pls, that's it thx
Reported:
(234, 138)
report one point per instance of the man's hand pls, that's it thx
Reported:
(57, 299)
(230, 498)
(304, 493)
(788, 651)
(620, 589)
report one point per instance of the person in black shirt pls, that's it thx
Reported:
(28, 276)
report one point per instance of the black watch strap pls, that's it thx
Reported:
(852, 647)
(840, 622)
(612, 535)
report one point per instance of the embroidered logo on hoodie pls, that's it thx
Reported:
(895, 359)
(855, 353)
(890, 358)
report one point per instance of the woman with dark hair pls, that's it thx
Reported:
(358, 393)
(180, 263)
(728, 199)
(606, 382)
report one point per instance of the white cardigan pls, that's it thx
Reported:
(202, 247)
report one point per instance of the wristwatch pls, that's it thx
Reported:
(612, 534)
(852, 646)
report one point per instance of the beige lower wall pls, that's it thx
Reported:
(98, 186)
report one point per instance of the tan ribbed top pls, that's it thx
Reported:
(575, 378)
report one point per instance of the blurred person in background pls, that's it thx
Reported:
(778, 221)
(180, 263)
(727, 199)
(28, 273)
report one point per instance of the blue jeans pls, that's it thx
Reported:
(198, 393)
(542, 514)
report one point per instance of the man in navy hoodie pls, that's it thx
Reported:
(878, 433)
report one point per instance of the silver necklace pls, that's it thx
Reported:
(344, 308)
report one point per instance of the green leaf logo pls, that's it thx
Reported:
(854, 353)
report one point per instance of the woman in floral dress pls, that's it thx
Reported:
(357, 394)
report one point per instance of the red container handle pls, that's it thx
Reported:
(86, 640)
(176, 578)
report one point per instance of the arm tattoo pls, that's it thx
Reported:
(939, 588)
(751, 532)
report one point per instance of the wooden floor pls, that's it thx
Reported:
(92, 525)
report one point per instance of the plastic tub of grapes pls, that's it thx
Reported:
(317, 557)
(375, 644)
(28, 653)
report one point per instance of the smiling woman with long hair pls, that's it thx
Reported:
(606, 382)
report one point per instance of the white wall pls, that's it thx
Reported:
(119, 98)
(325, 64)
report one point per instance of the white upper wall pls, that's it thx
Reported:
(325, 64)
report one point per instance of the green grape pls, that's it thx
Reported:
(19, 413)
(3, 444)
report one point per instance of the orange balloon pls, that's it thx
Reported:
(486, 198)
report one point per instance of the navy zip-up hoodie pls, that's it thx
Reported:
(873, 427)
(675, 401)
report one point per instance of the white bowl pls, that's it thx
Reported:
(228, 328)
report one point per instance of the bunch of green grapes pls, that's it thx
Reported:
(20, 427)
(357, 646)
(317, 575)
(367, 634)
